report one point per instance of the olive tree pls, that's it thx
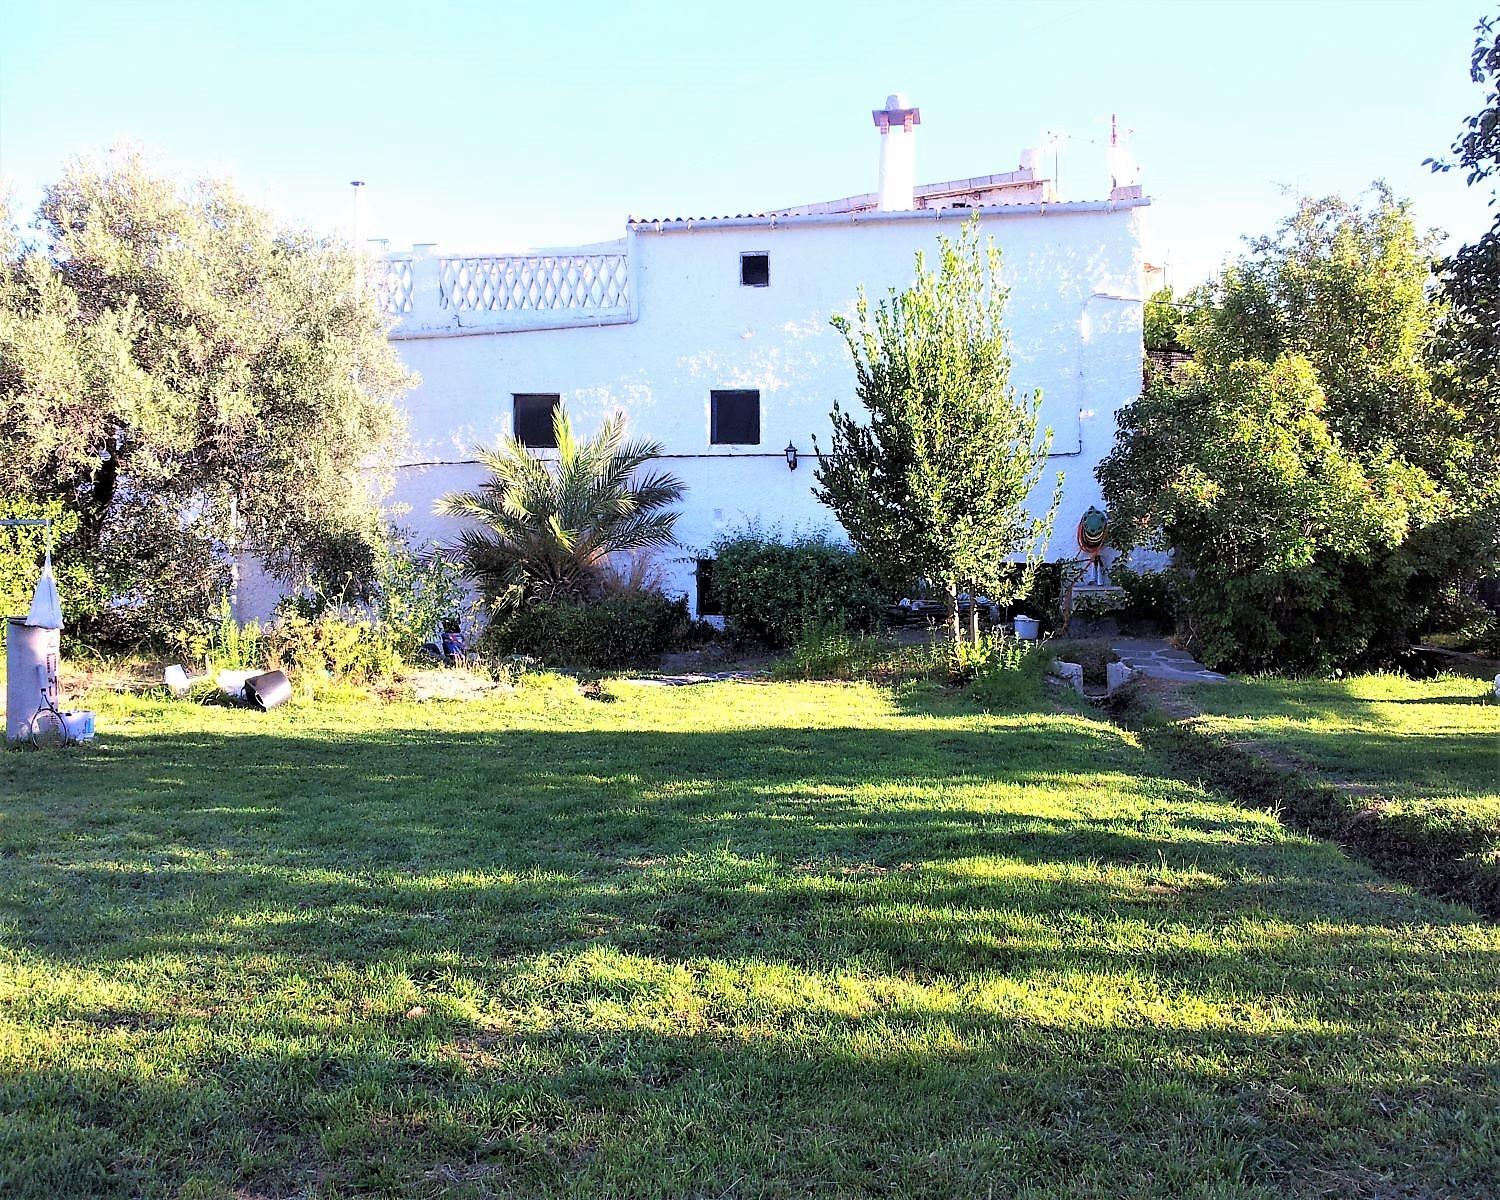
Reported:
(934, 478)
(192, 380)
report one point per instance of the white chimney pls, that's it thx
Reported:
(897, 123)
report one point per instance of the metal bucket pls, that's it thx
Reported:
(31, 655)
(1028, 629)
(268, 690)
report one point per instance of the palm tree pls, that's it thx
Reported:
(545, 527)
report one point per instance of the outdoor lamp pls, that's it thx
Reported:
(791, 457)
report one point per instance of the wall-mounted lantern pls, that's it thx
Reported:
(791, 457)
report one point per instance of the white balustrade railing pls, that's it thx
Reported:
(393, 287)
(535, 281)
(430, 293)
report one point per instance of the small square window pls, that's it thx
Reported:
(734, 418)
(709, 604)
(533, 419)
(755, 270)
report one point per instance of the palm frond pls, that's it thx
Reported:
(546, 526)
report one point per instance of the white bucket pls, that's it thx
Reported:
(79, 724)
(1028, 629)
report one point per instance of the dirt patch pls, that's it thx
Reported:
(444, 683)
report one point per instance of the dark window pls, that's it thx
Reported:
(734, 418)
(709, 604)
(755, 270)
(533, 419)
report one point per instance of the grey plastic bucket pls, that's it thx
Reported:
(268, 690)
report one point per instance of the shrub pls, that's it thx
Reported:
(224, 645)
(828, 650)
(1149, 595)
(416, 592)
(21, 549)
(332, 647)
(620, 629)
(1001, 671)
(772, 591)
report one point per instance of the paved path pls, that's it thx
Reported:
(1158, 659)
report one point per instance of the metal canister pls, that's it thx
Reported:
(31, 657)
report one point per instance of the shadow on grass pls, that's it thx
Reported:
(905, 961)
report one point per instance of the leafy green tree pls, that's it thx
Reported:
(1162, 321)
(932, 480)
(189, 378)
(1469, 335)
(544, 529)
(1306, 469)
(1237, 471)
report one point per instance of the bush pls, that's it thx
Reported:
(311, 648)
(1149, 595)
(828, 650)
(21, 549)
(620, 629)
(772, 591)
(224, 645)
(331, 648)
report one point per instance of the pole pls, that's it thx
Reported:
(359, 259)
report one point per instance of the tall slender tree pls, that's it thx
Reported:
(934, 479)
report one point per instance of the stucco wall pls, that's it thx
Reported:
(698, 329)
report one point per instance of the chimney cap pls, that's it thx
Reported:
(898, 111)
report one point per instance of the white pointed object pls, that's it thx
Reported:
(46, 611)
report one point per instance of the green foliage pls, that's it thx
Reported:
(831, 650)
(1044, 600)
(1303, 469)
(1468, 336)
(1162, 321)
(415, 592)
(623, 628)
(547, 528)
(772, 590)
(1149, 595)
(21, 551)
(1006, 674)
(166, 353)
(223, 645)
(331, 648)
(932, 479)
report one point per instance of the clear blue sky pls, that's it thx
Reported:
(493, 124)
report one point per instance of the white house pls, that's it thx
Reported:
(712, 334)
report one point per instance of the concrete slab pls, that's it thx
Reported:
(1156, 658)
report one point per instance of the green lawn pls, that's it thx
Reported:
(1413, 767)
(725, 941)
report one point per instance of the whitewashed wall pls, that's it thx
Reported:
(698, 329)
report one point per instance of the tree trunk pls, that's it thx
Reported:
(953, 606)
(101, 496)
(973, 614)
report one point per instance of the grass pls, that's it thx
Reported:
(734, 940)
(1408, 770)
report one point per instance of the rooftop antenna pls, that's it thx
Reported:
(1054, 138)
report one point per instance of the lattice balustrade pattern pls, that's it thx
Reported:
(393, 288)
(536, 282)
